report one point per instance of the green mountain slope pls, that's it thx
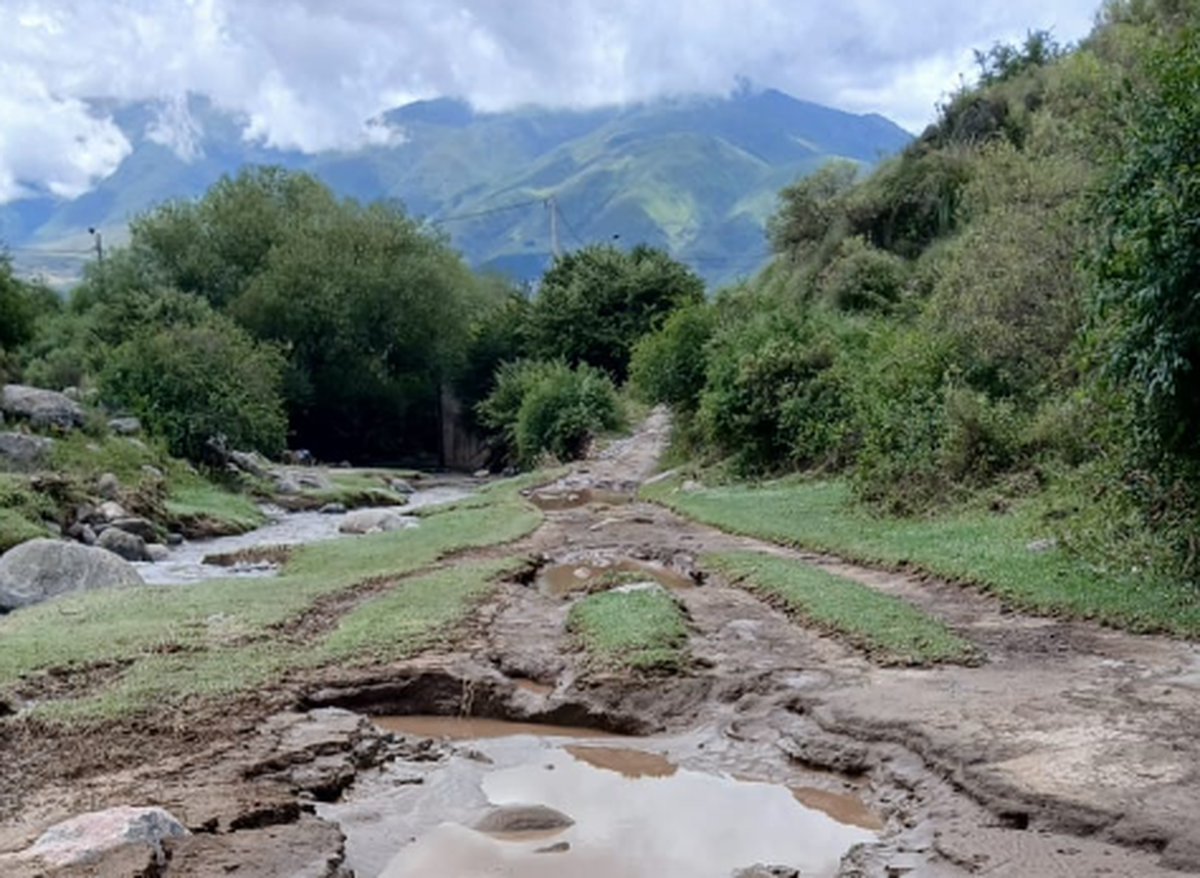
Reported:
(697, 176)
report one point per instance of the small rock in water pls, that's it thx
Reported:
(364, 521)
(559, 848)
(157, 553)
(401, 486)
(761, 871)
(482, 473)
(86, 837)
(524, 818)
(333, 509)
(123, 544)
(174, 539)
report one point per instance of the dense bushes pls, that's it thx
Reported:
(549, 408)
(203, 388)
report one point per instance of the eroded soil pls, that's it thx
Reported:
(1070, 750)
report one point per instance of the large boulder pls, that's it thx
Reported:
(129, 546)
(40, 569)
(365, 521)
(42, 408)
(86, 838)
(21, 454)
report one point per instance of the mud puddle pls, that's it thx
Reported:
(559, 501)
(633, 807)
(563, 580)
(468, 728)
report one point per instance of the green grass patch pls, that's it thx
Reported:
(86, 457)
(414, 614)
(888, 628)
(642, 630)
(194, 498)
(968, 544)
(183, 630)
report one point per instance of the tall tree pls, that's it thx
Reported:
(595, 303)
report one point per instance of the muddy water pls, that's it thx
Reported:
(467, 728)
(557, 501)
(637, 812)
(186, 562)
(562, 580)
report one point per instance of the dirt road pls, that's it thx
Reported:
(1070, 751)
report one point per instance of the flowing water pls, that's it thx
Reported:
(186, 566)
(639, 807)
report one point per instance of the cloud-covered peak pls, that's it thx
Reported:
(305, 74)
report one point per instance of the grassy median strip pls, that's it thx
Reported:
(414, 614)
(891, 630)
(220, 635)
(642, 629)
(986, 548)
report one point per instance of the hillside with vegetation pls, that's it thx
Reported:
(1000, 323)
(694, 176)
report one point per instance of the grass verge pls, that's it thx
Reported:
(642, 630)
(221, 635)
(971, 545)
(886, 627)
(414, 614)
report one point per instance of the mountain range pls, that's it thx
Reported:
(697, 176)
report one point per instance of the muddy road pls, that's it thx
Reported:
(1069, 750)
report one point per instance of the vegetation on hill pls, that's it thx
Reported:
(1006, 310)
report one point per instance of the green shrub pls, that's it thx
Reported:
(540, 408)
(193, 385)
(668, 366)
(773, 399)
(863, 278)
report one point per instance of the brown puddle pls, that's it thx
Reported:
(842, 808)
(465, 728)
(562, 580)
(557, 501)
(627, 763)
(637, 816)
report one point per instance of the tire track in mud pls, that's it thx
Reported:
(1069, 752)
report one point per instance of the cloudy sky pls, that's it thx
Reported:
(308, 73)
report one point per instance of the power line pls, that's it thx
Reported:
(480, 213)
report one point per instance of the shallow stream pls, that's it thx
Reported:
(186, 566)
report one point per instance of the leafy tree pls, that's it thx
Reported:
(373, 312)
(1148, 271)
(22, 305)
(194, 385)
(215, 246)
(595, 303)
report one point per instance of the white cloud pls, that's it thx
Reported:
(307, 73)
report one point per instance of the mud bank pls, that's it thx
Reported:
(1070, 749)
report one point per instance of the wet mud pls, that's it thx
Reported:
(1069, 751)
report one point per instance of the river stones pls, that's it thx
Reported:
(365, 521)
(129, 546)
(21, 453)
(41, 569)
(523, 818)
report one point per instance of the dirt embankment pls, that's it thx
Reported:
(1071, 750)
